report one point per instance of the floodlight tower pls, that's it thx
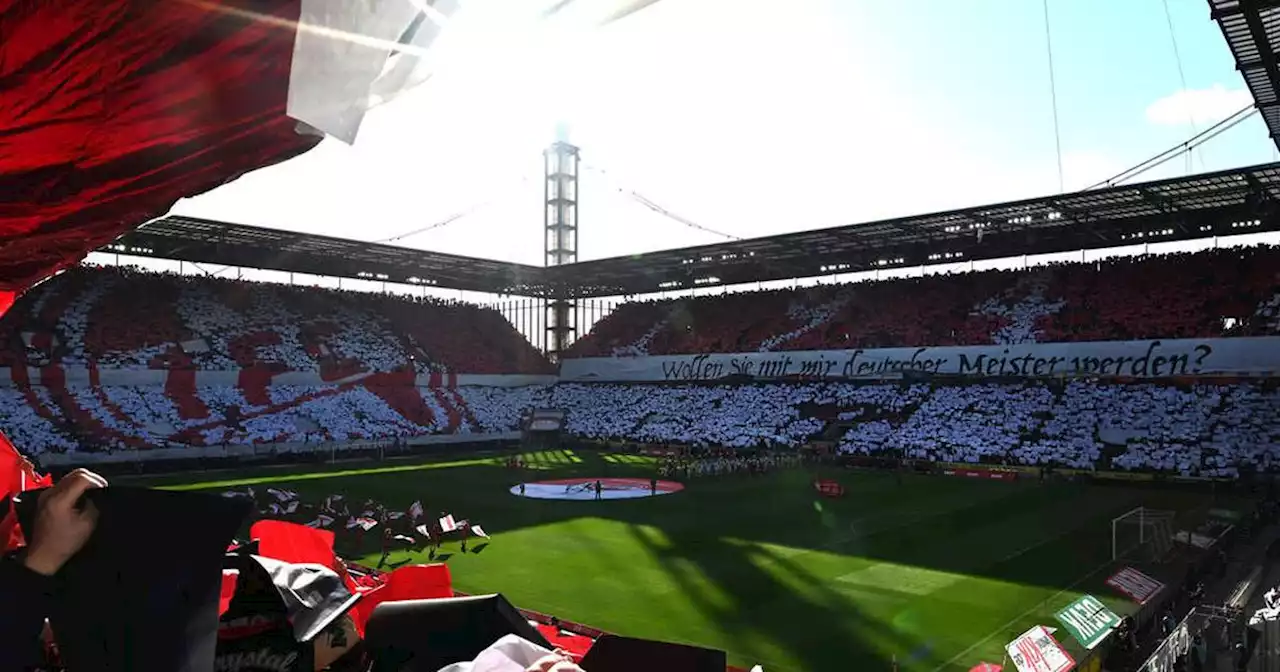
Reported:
(560, 219)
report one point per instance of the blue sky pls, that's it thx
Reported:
(757, 117)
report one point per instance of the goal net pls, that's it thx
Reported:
(1142, 534)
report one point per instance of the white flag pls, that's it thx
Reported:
(447, 524)
(475, 529)
(292, 508)
(415, 510)
(395, 515)
(424, 531)
(321, 521)
(365, 524)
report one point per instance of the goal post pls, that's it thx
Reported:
(1146, 534)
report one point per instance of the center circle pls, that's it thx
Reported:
(584, 489)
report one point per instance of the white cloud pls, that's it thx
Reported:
(1203, 106)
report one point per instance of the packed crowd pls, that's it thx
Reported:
(1204, 429)
(119, 417)
(724, 463)
(1220, 292)
(125, 318)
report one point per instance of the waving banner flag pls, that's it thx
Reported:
(283, 495)
(423, 530)
(365, 524)
(475, 529)
(447, 524)
(415, 510)
(292, 508)
(395, 515)
(321, 521)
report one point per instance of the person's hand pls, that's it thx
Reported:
(554, 662)
(62, 525)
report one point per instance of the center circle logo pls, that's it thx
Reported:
(584, 489)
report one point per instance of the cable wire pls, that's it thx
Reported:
(1160, 159)
(1182, 78)
(650, 204)
(451, 218)
(1053, 96)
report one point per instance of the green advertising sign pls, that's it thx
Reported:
(1088, 620)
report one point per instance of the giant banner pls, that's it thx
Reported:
(1258, 356)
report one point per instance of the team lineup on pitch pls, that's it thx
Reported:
(585, 488)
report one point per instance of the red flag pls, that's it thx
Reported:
(17, 475)
(420, 582)
(16, 472)
(230, 577)
(294, 543)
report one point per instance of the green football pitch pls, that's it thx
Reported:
(936, 573)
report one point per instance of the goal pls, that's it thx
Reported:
(1142, 534)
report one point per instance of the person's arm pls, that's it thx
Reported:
(27, 597)
(62, 525)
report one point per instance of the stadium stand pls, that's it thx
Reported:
(1219, 292)
(124, 318)
(368, 348)
(1203, 429)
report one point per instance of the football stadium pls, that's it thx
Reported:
(1035, 435)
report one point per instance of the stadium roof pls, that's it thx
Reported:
(222, 243)
(1199, 206)
(1252, 30)
(1243, 200)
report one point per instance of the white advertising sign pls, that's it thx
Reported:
(1115, 359)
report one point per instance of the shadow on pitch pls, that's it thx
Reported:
(768, 604)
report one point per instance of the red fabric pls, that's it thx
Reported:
(576, 645)
(411, 582)
(420, 582)
(115, 109)
(10, 531)
(16, 475)
(290, 542)
(364, 608)
(229, 580)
